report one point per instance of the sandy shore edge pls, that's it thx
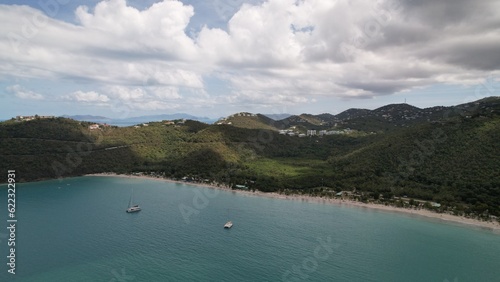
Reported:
(448, 218)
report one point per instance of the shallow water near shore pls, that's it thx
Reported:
(77, 230)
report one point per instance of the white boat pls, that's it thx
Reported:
(228, 224)
(134, 208)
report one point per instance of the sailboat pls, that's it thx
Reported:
(134, 208)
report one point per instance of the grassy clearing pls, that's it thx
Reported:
(284, 167)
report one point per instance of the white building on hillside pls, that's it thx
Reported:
(311, 132)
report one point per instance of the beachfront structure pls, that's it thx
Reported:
(435, 205)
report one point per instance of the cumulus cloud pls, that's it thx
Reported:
(255, 97)
(113, 44)
(166, 93)
(126, 93)
(149, 98)
(275, 51)
(158, 30)
(87, 97)
(23, 93)
(154, 105)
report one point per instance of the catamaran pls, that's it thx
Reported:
(134, 208)
(228, 224)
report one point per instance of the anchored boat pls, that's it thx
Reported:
(134, 208)
(228, 224)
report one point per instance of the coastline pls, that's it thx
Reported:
(447, 218)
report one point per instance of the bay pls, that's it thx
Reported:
(77, 230)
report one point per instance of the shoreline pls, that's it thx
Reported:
(441, 217)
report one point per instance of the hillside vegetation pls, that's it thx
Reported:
(448, 155)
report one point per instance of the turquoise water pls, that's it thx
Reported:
(77, 230)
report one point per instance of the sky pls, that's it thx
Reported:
(213, 58)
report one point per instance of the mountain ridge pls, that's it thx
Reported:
(448, 155)
(392, 112)
(383, 118)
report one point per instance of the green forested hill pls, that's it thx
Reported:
(453, 159)
(454, 162)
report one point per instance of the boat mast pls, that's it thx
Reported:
(130, 201)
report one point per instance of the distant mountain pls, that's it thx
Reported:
(382, 119)
(303, 121)
(386, 118)
(312, 119)
(138, 119)
(325, 117)
(277, 116)
(142, 119)
(249, 120)
(88, 118)
(352, 113)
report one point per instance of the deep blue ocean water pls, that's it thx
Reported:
(77, 230)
